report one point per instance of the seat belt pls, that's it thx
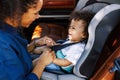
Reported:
(61, 46)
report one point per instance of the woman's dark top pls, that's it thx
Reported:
(15, 61)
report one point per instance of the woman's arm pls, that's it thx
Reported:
(40, 41)
(41, 49)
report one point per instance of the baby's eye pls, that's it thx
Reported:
(72, 27)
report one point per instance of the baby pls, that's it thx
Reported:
(68, 56)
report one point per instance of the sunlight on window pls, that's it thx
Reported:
(37, 32)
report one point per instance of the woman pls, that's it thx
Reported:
(15, 61)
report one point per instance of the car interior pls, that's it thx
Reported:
(103, 42)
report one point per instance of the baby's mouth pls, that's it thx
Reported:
(69, 34)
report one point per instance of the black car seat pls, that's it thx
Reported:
(100, 28)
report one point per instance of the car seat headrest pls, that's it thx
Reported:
(91, 5)
(94, 7)
(111, 1)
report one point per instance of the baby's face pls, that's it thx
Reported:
(75, 32)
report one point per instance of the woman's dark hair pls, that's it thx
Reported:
(14, 9)
(82, 15)
(9, 9)
(26, 4)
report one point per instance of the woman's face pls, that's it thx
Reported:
(32, 14)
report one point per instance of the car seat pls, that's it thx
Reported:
(99, 30)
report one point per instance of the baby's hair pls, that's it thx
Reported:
(82, 15)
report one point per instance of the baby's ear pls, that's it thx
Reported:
(84, 35)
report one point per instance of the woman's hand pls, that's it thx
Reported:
(45, 58)
(45, 40)
(41, 62)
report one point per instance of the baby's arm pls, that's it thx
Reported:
(61, 62)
